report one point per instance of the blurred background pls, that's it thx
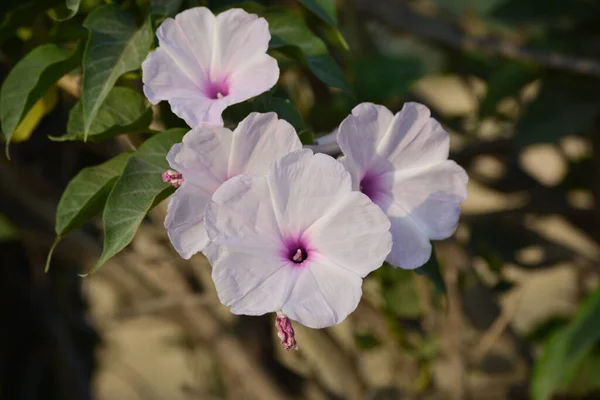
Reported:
(516, 83)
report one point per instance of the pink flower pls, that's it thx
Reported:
(208, 156)
(401, 162)
(297, 240)
(205, 63)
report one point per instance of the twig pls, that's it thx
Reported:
(496, 330)
(398, 15)
(454, 323)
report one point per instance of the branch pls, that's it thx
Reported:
(400, 16)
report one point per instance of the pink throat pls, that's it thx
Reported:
(296, 250)
(216, 89)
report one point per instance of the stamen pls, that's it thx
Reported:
(219, 95)
(173, 177)
(298, 257)
(285, 331)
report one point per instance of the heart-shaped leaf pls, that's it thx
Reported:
(85, 196)
(290, 34)
(324, 9)
(115, 46)
(431, 269)
(29, 80)
(123, 111)
(138, 189)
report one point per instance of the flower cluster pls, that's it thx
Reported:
(286, 230)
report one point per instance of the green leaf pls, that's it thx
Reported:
(139, 188)
(379, 78)
(115, 46)
(307, 137)
(431, 270)
(505, 81)
(550, 12)
(166, 8)
(7, 231)
(266, 102)
(85, 196)
(29, 80)
(557, 111)
(13, 18)
(123, 111)
(566, 349)
(460, 8)
(290, 34)
(399, 292)
(282, 107)
(324, 9)
(68, 10)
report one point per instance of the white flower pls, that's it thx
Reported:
(401, 162)
(297, 240)
(205, 63)
(207, 157)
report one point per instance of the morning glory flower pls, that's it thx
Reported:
(205, 63)
(208, 156)
(297, 241)
(401, 162)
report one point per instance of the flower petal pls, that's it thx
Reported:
(323, 294)
(414, 139)
(373, 140)
(304, 187)
(185, 220)
(432, 196)
(259, 140)
(411, 247)
(241, 37)
(205, 63)
(250, 284)
(241, 217)
(178, 69)
(181, 38)
(359, 136)
(202, 156)
(163, 78)
(354, 235)
(253, 78)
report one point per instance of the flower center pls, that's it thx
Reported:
(369, 185)
(298, 256)
(216, 90)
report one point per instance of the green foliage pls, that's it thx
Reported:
(166, 8)
(266, 102)
(566, 349)
(324, 9)
(85, 196)
(123, 111)
(366, 341)
(68, 10)
(115, 46)
(507, 80)
(379, 78)
(399, 293)
(557, 111)
(7, 230)
(29, 80)
(431, 270)
(290, 34)
(136, 191)
(282, 107)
